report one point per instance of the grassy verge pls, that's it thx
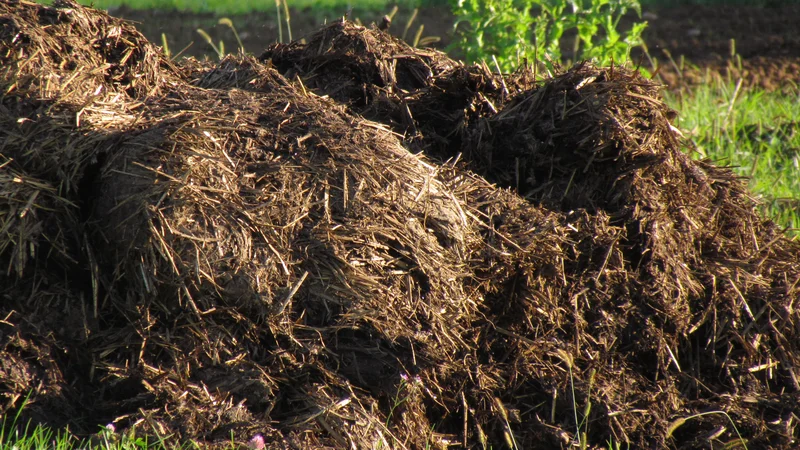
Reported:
(755, 132)
(44, 438)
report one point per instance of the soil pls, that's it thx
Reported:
(697, 39)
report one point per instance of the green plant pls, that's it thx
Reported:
(288, 19)
(165, 45)
(220, 49)
(40, 437)
(675, 424)
(582, 424)
(753, 131)
(597, 30)
(418, 40)
(398, 401)
(228, 23)
(533, 30)
(493, 27)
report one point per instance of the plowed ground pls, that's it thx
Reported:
(698, 38)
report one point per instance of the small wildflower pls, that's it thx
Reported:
(110, 427)
(256, 442)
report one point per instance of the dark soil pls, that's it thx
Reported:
(759, 44)
(697, 38)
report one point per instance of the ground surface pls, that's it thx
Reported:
(765, 38)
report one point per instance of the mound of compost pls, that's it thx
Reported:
(421, 93)
(208, 252)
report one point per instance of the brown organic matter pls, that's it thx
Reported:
(352, 243)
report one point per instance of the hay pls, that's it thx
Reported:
(70, 78)
(420, 93)
(205, 251)
(694, 289)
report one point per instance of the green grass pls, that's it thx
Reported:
(13, 436)
(43, 438)
(756, 132)
(36, 438)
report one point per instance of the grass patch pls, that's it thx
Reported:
(37, 438)
(40, 437)
(754, 131)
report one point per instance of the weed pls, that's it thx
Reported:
(754, 131)
(405, 385)
(228, 23)
(503, 28)
(220, 48)
(582, 424)
(165, 45)
(682, 420)
(278, 4)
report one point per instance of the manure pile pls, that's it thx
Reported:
(352, 243)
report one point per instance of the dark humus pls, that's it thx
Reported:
(352, 243)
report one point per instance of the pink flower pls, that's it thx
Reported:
(256, 442)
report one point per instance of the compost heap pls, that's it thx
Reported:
(205, 252)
